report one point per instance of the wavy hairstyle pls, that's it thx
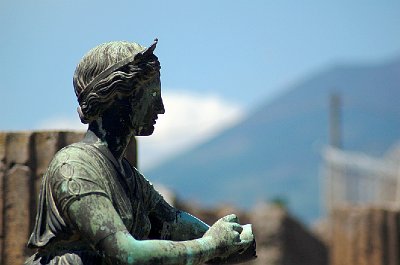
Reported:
(111, 70)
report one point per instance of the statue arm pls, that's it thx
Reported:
(96, 220)
(173, 224)
(178, 225)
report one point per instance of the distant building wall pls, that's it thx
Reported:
(362, 198)
(357, 179)
(24, 157)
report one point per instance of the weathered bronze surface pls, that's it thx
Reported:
(94, 207)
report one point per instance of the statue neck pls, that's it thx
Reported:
(114, 135)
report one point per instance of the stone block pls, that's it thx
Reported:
(365, 236)
(16, 220)
(17, 148)
(45, 145)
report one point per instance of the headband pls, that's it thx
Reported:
(131, 59)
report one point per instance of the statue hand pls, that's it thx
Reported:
(226, 235)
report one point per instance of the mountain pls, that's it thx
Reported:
(275, 153)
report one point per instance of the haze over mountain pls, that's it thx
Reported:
(276, 151)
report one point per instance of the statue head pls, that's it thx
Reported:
(120, 76)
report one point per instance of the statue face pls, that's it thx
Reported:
(146, 109)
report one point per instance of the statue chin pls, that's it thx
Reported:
(145, 131)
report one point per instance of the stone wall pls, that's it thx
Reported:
(24, 157)
(281, 239)
(355, 235)
(365, 236)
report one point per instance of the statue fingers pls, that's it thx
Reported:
(237, 227)
(243, 245)
(236, 237)
(231, 218)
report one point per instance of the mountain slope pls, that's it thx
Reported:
(275, 152)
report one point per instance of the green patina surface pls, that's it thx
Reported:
(94, 207)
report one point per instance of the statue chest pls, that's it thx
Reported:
(130, 201)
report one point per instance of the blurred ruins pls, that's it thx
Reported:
(362, 224)
(362, 196)
(357, 179)
(362, 199)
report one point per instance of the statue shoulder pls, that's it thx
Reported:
(77, 160)
(76, 153)
(76, 171)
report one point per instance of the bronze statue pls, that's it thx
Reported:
(94, 207)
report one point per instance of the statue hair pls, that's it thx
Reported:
(122, 82)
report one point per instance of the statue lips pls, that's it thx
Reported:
(155, 117)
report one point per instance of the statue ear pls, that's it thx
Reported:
(82, 116)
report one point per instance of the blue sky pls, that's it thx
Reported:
(237, 53)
